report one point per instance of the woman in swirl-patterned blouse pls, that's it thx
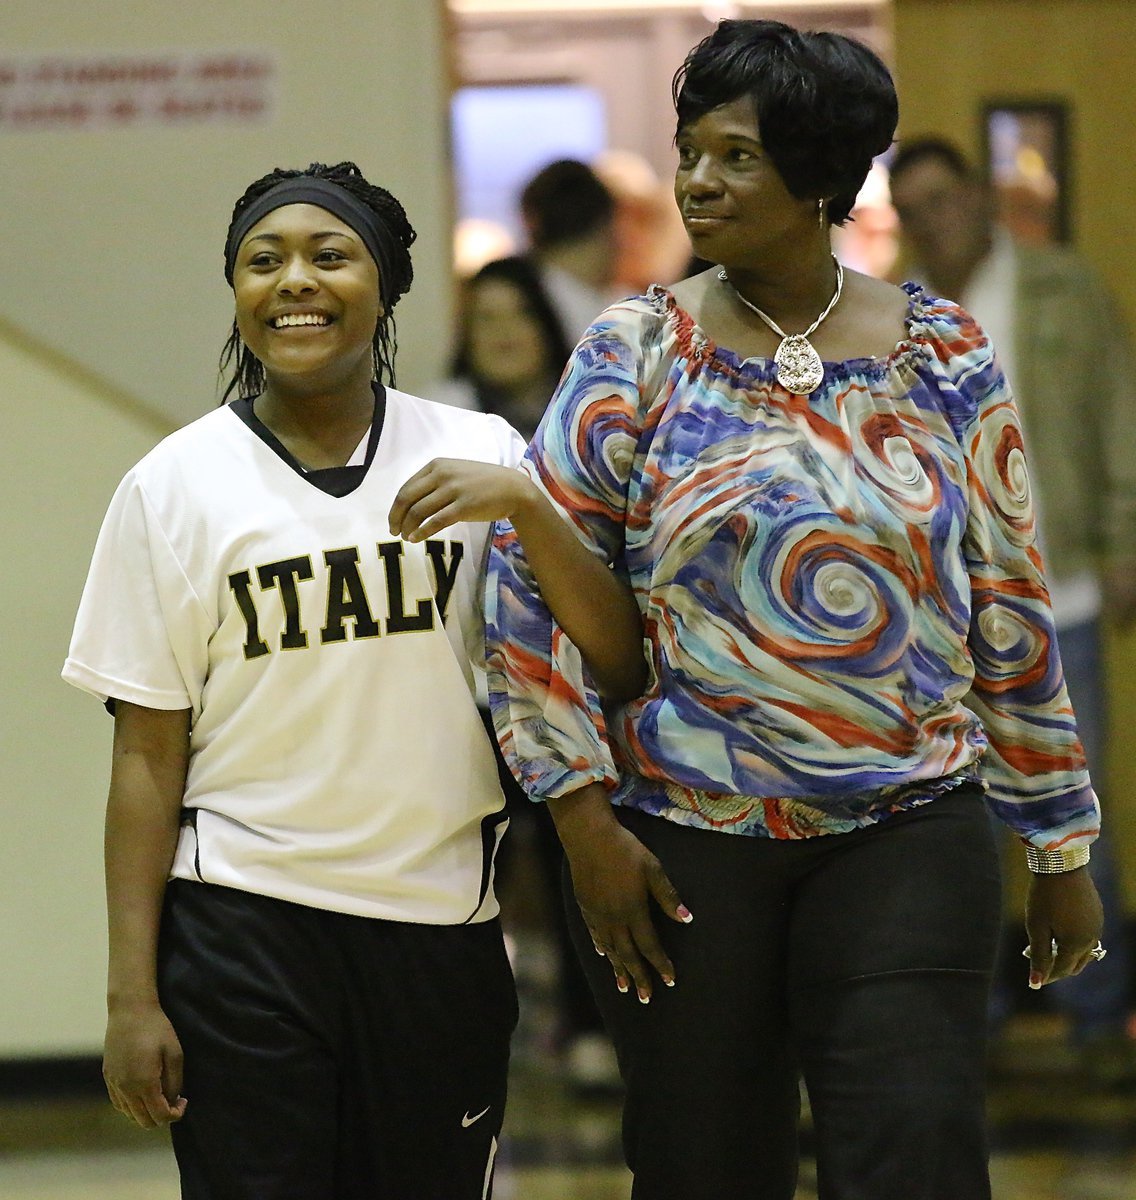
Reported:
(814, 483)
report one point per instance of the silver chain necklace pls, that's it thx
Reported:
(799, 368)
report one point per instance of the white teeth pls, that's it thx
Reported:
(290, 319)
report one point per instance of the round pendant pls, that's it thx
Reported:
(799, 369)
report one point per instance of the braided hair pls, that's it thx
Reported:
(395, 271)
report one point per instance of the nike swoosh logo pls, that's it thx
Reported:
(467, 1120)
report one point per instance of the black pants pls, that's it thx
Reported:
(578, 1013)
(333, 1057)
(861, 961)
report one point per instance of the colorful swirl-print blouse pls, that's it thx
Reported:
(843, 604)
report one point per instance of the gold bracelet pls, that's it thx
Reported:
(1056, 862)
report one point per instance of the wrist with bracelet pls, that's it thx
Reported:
(1056, 862)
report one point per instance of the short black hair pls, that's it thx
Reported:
(522, 274)
(563, 201)
(911, 151)
(394, 282)
(826, 104)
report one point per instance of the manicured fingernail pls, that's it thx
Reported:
(669, 980)
(599, 951)
(684, 914)
(621, 984)
(644, 997)
(1035, 980)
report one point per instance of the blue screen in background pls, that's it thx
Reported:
(503, 135)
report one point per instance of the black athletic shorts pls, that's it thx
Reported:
(333, 1057)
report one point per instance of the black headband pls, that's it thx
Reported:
(311, 189)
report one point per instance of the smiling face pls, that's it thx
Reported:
(734, 203)
(505, 341)
(307, 298)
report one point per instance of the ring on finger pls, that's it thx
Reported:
(1096, 953)
(1052, 949)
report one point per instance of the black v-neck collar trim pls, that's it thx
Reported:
(335, 481)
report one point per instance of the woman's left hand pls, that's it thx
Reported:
(1063, 909)
(448, 490)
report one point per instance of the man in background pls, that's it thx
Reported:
(1066, 355)
(569, 216)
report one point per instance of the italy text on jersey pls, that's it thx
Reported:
(346, 595)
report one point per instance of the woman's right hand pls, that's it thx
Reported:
(142, 1065)
(615, 877)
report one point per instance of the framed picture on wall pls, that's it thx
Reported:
(1026, 145)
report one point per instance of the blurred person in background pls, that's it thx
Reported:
(569, 217)
(511, 346)
(1066, 353)
(510, 352)
(651, 243)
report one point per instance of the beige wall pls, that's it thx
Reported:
(112, 259)
(70, 441)
(950, 56)
(114, 238)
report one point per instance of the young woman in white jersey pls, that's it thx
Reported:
(306, 974)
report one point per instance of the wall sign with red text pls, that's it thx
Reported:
(109, 91)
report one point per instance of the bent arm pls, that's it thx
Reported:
(569, 507)
(594, 607)
(142, 1062)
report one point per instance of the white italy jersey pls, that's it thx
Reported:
(337, 758)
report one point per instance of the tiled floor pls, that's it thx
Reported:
(1056, 1136)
